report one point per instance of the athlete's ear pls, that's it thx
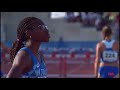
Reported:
(28, 34)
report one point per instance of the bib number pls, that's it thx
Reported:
(110, 56)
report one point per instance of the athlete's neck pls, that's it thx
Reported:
(34, 46)
(107, 38)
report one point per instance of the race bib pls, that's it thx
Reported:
(110, 56)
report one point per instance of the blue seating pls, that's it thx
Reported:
(87, 44)
(80, 47)
(9, 43)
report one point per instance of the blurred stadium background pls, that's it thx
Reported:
(71, 50)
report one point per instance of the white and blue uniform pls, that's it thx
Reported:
(39, 68)
(109, 56)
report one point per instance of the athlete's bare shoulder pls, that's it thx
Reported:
(116, 45)
(100, 44)
(22, 58)
(116, 42)
(20, 63)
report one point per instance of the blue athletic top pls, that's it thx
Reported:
(109, 55)
(39, 68)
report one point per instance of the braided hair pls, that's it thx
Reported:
(26, 24)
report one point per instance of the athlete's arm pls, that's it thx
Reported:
(20, 63)
(116, 47)
(97, 59)
(118, 43)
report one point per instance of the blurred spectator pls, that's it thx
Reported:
(78, 17)
(70, 17)
(98, 21)
(61, 42)
(116, 29)
(73, 16)
(84, 18)
(92, 17)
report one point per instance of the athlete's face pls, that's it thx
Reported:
(40, 33)
(43, 33)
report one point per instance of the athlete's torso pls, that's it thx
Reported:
(38, 69)
(109, 56)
